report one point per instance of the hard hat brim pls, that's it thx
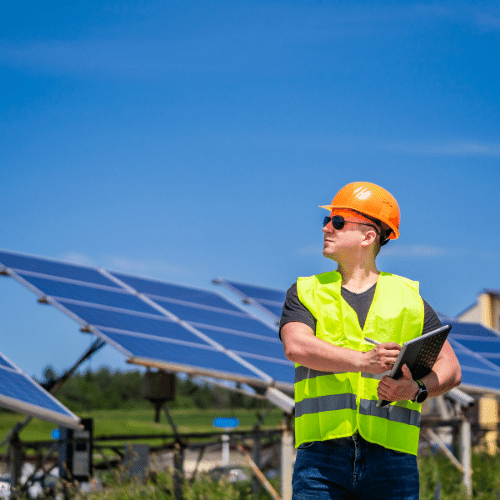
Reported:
(394, 234)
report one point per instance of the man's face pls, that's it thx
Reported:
(338, 243)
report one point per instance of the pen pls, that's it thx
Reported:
(371, 341)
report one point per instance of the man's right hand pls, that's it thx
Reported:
(381, 358)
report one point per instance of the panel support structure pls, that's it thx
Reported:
(465, 450)
(287, 449)
(280, 399)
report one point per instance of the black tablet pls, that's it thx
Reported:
(419, 355)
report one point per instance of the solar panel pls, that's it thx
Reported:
(159, 324)
(269, 300)
(186, 329)
(479, 339)
(178, 353)
(16, 261)
(66, 291)
(176, 293)
(220, 322)
(478, 373)
(20, 393)
(196, 316)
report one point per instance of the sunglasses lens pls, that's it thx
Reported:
(338, 221)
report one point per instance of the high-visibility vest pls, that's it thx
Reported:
(334, 405)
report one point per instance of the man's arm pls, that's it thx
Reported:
(445, 375)
(303, 347)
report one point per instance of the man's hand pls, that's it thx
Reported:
(381, 358)
(402, 389)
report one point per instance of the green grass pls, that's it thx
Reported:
(140, 421)
(486, 476)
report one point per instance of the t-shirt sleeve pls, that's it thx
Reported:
(431, 319)
(294, 310)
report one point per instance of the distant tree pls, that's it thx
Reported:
(106, 389)
(49, 374)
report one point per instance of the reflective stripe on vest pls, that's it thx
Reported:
(390, 412)
(332, 405)
(325, 403)
(303, 373)
(366, 407)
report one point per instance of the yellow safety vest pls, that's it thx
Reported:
(334, 405)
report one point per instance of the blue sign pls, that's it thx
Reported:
(55, 434)
(226, 422)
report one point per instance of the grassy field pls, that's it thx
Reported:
(435, 472)
(141, 421)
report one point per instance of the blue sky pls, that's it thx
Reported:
(189, 140)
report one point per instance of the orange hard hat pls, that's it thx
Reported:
(369, 199)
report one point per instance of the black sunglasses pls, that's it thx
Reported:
(338, 222)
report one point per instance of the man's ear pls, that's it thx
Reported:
(370, 236)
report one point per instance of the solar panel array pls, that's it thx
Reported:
(477, 347)
(159, 324)
(20, 393)
(197, 331)
(478, 351)
(269, 300)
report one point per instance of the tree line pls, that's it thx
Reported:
(107, 389)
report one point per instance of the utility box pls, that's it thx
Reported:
(75, 451)
(158, 387)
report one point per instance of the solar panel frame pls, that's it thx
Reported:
(267, 379)
(474, 377)
(134, 358)
(5, 362)
(53, 411)
(78, 311)
(79, 270)
(69, 309)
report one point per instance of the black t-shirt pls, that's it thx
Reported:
(294, 310)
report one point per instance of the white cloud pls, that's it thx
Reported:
(343, 143)
(78, 258)
(455, 148)
(138, 266)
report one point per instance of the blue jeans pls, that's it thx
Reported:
(353, 469)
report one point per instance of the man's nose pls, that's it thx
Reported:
(328, 228)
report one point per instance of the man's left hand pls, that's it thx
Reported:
(402, 389)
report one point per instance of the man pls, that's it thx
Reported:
(348, 448)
